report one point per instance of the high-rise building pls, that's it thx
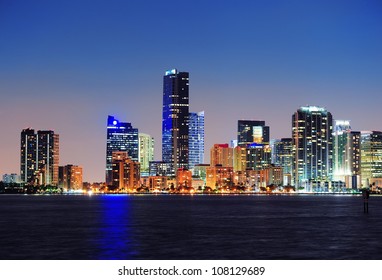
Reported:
(249, 132)
(28, 152)
(282, 155)
(371, 156)
(125, 172)
(312, 129)
(146, 152)
(70, 177)
(258, 156)
(175, 131)
(196, 139)
(221, 154)
(121, 137)
(39, 157)
(48, 156)
(346, 152)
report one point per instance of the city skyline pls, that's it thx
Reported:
(250, 60)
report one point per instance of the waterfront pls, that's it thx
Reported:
(189, 227)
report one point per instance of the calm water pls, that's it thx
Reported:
(189, 227)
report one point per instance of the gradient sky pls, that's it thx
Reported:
(66, 65)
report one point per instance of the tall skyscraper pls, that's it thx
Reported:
(175, 132)
(312, 129)
(249, 132)
(146, 152)
(346, 154)
(121, 137)
(371, 156)
(282, 154)
(196, 139)
(39, 157)
(28, 152)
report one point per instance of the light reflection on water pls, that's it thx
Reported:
(189, 227)
(114, 238)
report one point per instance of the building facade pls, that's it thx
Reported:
(371, 157)
(125, 172)
(196, 139)
(282, 155)
(251, 131)
(70, 177)
(121, 137)
(175, 119)
(146, 152)
(221, 154)
(312, 130)
(39, 157)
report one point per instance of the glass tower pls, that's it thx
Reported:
(312, 130)
(121, 137)
(196, 139)
(175, 119)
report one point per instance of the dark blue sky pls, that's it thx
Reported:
(66, 65)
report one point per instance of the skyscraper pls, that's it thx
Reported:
(146, 152)
(121, 137)
(196, 139)
(249, 132)
(175, 119)
(312, 129)
(371, 157)
(39, 157)
(282, 154)
(28, 151)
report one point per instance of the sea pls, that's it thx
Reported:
(189, 227)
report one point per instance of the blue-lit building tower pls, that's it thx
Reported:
(121, 137)
(196, 139)
(175, 119)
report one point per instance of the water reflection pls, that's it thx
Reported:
(115, 240)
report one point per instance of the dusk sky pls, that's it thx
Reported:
(67, 65)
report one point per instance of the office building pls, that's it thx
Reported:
(175, 131)
(312, 130)
(121, 137)
(371, 157)
(196, 139)
(346, 154)
(146, 152)
(258, 156)
(221, 154)
(249, 132)
(282, 155)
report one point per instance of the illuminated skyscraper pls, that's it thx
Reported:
(146, 152)
(121, 137)
(249, 132)
(282, 154)
(28, 165)
(312, 129)
(196, 139)
(371, 157)
(175, 132)
(346, 154)
(39, 157)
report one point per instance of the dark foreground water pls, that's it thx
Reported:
(189, 227)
